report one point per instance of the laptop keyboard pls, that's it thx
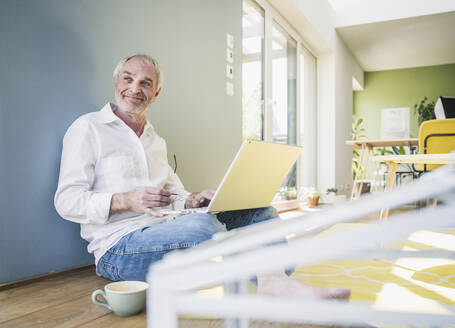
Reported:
(184, 211)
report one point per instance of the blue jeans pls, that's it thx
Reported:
(131, 257)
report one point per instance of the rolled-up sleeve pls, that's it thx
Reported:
(74, 199)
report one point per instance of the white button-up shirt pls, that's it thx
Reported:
(102, 156)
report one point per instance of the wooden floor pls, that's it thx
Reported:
(65, 301)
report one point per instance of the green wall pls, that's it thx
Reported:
(401, 88)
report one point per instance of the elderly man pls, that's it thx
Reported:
(114, 177)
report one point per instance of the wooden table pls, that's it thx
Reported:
(394, 160)
(371, 143)
(366, 150)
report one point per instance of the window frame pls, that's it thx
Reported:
(271, 16)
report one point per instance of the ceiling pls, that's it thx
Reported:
(402, 43)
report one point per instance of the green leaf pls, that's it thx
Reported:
(424, 111)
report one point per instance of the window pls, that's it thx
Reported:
(283, 86)
(284, 79)
(253, 71)
(279, 90)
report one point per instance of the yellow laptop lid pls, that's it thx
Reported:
(254, 176)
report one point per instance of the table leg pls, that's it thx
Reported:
(390, 182)
(360, 172)
(354, 193)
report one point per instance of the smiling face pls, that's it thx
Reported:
(136, 86)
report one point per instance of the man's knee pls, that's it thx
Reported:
(201, 227)
(265, 214)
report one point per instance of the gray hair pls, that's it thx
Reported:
(145, 58)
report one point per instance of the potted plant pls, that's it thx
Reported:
(313, 198)
(291, 193)
(331, 191)
(357, 133)
(425, 111)
(331, 194)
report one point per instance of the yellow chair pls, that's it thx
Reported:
(436, 137)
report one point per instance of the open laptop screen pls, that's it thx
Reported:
(254, 176)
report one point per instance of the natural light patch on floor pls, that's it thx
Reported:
(398, 298)
(291, 215)
(435, 239)
(431, 278)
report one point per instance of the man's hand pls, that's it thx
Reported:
(141, 201)
(199, 199)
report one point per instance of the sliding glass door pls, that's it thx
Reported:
(253, 71)
(277, 89)
(284, 98)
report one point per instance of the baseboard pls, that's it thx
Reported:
(26, 281)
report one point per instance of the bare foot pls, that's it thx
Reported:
(282, 285)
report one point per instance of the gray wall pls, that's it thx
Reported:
(202, 125)
(56, 61)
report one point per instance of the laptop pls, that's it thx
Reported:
(253, 178)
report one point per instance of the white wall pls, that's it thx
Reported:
(308, 173)
(315, 21)
(200, 123)
(326, 122)
(310, 19)
(355, 12)
(346, 67)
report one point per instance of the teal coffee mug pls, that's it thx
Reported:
(124, 298)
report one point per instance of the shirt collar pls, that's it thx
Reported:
(148, 128)
(106, 115)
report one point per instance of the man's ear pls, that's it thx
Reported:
(158, 92)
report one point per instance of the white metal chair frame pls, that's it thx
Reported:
(174, 280)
